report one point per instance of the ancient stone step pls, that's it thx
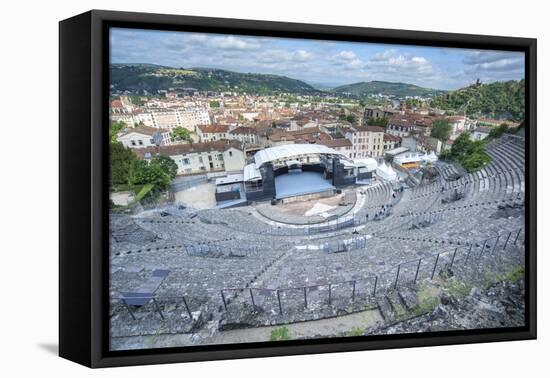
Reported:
(409, 298)
(396, 304)
(385, 309)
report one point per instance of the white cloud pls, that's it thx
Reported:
(383, 56)
(232, 42)
(390, 61)
(346, 55)
(475, 57)
(493, 61)
(302, 56)
(503, 64)
(419, 60)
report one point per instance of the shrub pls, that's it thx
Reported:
(457, 288)
(145, 189)
(498, 131)
(280, 334)
(120, 160)
(167, 165)
(141, 173)
(428, 299)
(441, 129)
(356, 331)
(471, 155)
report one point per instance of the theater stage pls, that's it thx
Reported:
(301, 183)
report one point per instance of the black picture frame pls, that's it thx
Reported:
(83, 166)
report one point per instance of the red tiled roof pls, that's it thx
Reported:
(390, 137)
(243, 130)
(456, 118)
(213, 128)
(400, 121)
(279, 135)
(340, 142)
(187, 148)
(368, 128)
(142, 129)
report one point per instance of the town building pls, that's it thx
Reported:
(481, 132)
(210, 133)
(206, 157)
(367, 141)
(244, 134)
(400, 126)
(342, 145)
(424, 125)
(391, 142)
(191, 117)
(379, 112)
(301, 122)
(496, 122)
(143, 136)
(428, 144)
(164, 118)
(460, 124)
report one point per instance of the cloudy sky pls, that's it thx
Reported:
(318, 62)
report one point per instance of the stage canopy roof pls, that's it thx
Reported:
(291, 152)
(368, 163)
(251, 173)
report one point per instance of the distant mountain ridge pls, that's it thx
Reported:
(387, 88)
(152, 78)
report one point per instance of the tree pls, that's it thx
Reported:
(498, 131)
(167, 165)
(441, 129)
(136, 100)
(214, 104)
(414, 103)
(470, 154)
(460, 146)
(377, 122)
(349, 117)
(181, 134)
(497, 99)
(476, 157)
(114, 129)
(121, 158)
(141, 173)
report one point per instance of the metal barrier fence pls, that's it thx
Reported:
(154, 300)
(369, 287)
(215, 248)
(337, 246)
(186, 184)
(345, 292)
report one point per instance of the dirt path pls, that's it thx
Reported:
(317, 328)
(198, 197)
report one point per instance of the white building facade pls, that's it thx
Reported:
(203, 157)
(143, 137)
(367, 141)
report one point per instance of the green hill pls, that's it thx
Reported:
(137, 78)
(386, 88)
(504, 100)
